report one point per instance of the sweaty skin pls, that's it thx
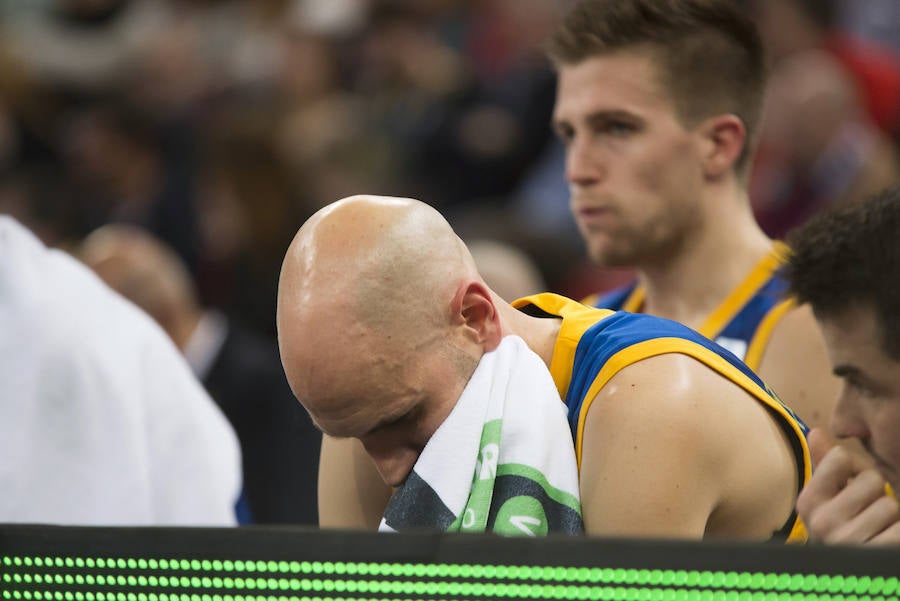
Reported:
(382, 318)
(667, 198)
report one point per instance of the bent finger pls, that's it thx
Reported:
(877, 522)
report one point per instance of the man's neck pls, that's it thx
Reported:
(538, 333)
(692, 282)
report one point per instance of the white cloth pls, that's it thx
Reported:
(503, 460)
(101, 420)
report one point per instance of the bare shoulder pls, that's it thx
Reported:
(351, 492)
(678, 395)
(795, 365)
(659, 456)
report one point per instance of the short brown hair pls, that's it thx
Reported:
(709, 52)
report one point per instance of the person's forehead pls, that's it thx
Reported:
(346, 359)
(857, 322)
(348, 398)
(852, 335)
(625, 74)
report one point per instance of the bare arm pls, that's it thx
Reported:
(659, 457)
(351, 492)
(795, 364)
(845, 501)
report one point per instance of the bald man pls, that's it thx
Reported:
(238, 367)
(383, 318)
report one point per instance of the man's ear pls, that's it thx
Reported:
(724, 138)
(474, 311)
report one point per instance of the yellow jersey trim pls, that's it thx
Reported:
(763, 333)
(577, 318)
(734, 302)
(660, 346)
(747, 289)
(635, 300)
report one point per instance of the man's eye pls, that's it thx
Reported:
(565, 134)
(401, 421)
(617, 128)
(861, 388)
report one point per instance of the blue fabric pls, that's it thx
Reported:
(619, 331)
(744, 325)
(614, 299)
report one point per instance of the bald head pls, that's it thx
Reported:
(144, 270)
(371, 256)
(368, 286)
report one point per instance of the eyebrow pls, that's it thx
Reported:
(600, 116)
(390, 420)
(605, 114)
(845, 370)
(856, 375)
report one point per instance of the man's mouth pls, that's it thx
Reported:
(591, 215)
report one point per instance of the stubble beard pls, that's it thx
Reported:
(622, 250)
(635, 248)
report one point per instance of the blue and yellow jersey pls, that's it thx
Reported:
(743, 323)
(595, 344)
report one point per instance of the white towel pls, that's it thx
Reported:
(503, 461)
(101, 420)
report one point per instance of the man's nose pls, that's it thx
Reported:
(847, 419)
(583, 166)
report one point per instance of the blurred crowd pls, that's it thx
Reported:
(220, 125)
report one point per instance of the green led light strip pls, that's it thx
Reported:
(512, 592)
(818, 584)
(169, 579)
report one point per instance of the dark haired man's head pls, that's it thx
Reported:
(846, 263)
(849, 258)
(708, 54)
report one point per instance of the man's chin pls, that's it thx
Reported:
(395, 482)
(611, 259)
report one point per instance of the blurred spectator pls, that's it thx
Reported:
(27, 114)
(34, 198)
(818, 146)
(119, 171)
(473, 146)
(833, 104)
(82, 46)
(792, 26)
(322, 121)
(248, 203)
(241, 370)
(338, 18)
(174, 74)
(138, 109)
(101, 420)
(874, 20)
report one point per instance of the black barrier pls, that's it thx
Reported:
(55, 563)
